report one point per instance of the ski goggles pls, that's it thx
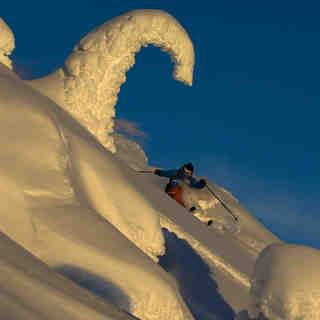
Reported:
(187, 172)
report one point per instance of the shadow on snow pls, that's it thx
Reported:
(97, 285)
(194, 278)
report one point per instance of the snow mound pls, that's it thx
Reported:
(7, 43)
(88, 84)
(286, 283)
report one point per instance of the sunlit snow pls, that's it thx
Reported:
(84, 235)
(88, 84)
(286, 283)
(6, 43)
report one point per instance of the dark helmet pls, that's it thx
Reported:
(189, 166)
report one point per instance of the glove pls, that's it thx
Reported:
(157, 172)
(203, 182)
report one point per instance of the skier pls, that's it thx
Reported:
(173, 189)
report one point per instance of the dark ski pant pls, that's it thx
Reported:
(175, 193)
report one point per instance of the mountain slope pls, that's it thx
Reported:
(68, 210)
(228, 256)
(85, 236)
(62, 200)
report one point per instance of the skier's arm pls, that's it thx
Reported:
(166, 173)
(197, 184)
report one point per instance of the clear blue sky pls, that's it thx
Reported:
(250, 121)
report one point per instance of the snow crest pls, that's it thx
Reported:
(7, 43)
(88, 84)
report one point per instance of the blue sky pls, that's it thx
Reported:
(250, 121)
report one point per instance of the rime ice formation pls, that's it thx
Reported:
(286, 283)
(6, 43)
(88, 84)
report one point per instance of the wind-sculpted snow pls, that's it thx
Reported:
(286, 283)
(88, 84)
(6, 43)
(74, 206)
(80, 208)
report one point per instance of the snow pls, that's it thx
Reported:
(130, 153)
(6, 43)
(68, 198)
(88, 84)
(86, 236)
(29, 289)
(286, 283)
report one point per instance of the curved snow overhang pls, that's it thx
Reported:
(88, 84)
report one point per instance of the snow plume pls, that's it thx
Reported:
(128, 128)
(286, 283)
(131, 153)
(127, 139)
(88, 84)
(7, 43)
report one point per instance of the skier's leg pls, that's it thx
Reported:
(176, 194)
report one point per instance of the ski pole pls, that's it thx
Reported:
(143, 171)
(234, 217)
